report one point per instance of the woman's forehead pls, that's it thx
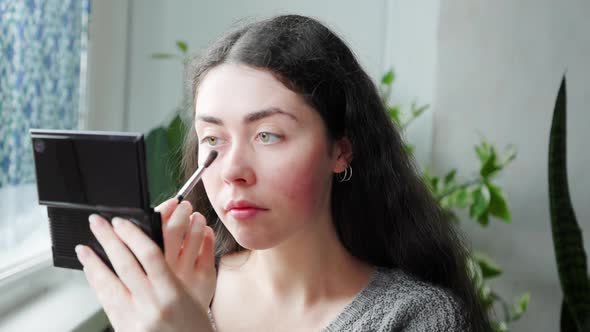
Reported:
(236, 88)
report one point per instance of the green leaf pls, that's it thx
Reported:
(434, 183)
(416, 112)
(486, 295)
(508, 155)
(481, 200)
(163, 56)
(427, 177)
(474, 271)
(388, 78)
(446, 203)
(488, 267)
(431, 181)
(498, 206)
(483, 151)
(500, 327)
(484, 219)
(520, 307)
(160, 179)
(409, 148)
(450, 177)
(394, 114)
(182, 46)
(462, 198)
(489, 166)
(175, 135)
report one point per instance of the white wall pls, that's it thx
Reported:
(155, 86)
(410, 48)
(107, 70)
(499, 69)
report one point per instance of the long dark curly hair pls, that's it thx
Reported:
(385, 215)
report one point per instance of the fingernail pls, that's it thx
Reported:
(201, 223)
(80, 252)
(117, 221)
(92, 219)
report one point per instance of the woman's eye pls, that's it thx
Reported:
(268, 138)
(211, 140)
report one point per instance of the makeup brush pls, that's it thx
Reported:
(194, 179)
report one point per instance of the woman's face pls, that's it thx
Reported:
(273, 174)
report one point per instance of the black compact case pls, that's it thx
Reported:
(84, 172)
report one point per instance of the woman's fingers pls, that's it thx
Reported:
(206, 258)
(174, 232)
(166, 209)
(147, 252)
(108, 288)
(192, 244)
(121, 258)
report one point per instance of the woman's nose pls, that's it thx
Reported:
(236, 168)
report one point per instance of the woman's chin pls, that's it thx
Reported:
(255, 244)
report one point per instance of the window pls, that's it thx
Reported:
(42, 76)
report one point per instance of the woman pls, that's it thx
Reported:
(301, 242)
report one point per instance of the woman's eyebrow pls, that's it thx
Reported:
(249, 118)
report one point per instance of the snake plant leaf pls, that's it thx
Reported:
(566, 321)
(567, 237)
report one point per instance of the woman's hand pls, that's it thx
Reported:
(167, 296)
(196, 271)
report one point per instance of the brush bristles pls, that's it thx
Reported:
(210, 158)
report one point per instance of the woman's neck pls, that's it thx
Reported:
(306, 269)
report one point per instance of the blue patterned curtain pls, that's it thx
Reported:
(42, 43)
(42, 56)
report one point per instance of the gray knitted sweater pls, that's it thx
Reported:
(395, 301)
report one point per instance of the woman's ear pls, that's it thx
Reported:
(343, 153)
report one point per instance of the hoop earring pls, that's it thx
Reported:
(346, 176)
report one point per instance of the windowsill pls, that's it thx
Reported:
(66, 305)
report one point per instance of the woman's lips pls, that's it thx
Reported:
(243, 209)
(245, 212)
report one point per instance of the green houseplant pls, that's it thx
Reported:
(568, 243)
(480, 195)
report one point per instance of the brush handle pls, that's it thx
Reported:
(190, 184)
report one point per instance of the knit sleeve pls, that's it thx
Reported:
(424, 310)
(438, 313)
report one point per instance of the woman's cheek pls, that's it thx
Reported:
(301, 186)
